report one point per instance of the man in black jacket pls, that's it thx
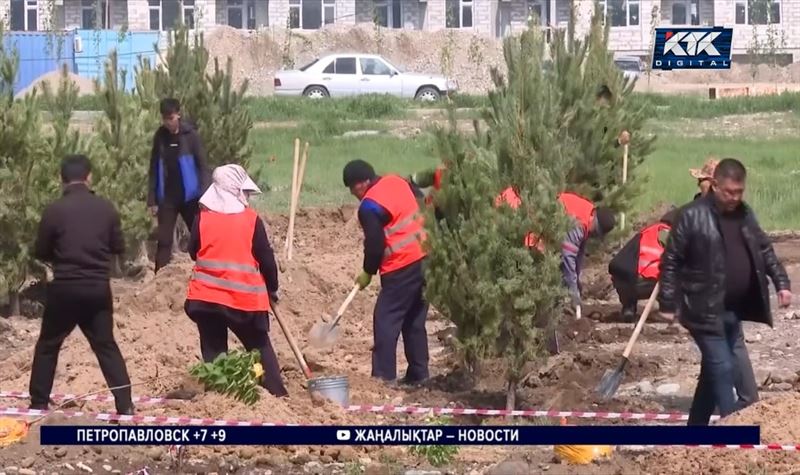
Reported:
(714, 274)
(78, 234)
(178, 175)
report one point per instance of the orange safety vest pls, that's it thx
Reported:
(581, 209)
(650, 250)
(437, 184)
(225, 271)
(404, 232)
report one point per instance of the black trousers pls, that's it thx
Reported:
(401, 308)
(631, 292)
(167, 219)
(89, 306)
(251, 328)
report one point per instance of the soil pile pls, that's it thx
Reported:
(779, 424)
(466, 57)
(85, 85)
(259, 54)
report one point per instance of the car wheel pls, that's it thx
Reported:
(428, 94)
(316, 92)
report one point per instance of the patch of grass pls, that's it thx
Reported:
(328, 153)
(772, 168)
(698, 107)
(377, 107)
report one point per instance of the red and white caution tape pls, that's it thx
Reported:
(418, 410)
(77, 397)
(108, 417)
(771, 447)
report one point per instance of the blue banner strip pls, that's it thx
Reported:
(400, 435)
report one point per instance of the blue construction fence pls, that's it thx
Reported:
(84, 52)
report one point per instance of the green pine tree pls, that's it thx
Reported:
(124, 137)
(503, 297)
(581, 68)
(28, 178)
(209, 100)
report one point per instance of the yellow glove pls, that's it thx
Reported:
(363, 279)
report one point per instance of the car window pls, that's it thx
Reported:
(346, 66)
(374, 66)
(627, 65)
(312, 63)
(329, 69)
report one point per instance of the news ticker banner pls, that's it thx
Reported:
(401, 435)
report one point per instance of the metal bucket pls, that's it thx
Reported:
(333, 388)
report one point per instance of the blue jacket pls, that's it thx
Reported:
(195, 175)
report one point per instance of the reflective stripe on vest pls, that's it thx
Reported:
(650, 250)
(404, 232)
(226, 272)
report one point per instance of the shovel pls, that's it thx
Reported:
(292, 344)
(612, 378)
(324, 334)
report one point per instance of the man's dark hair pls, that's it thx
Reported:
(606, 220)
(169, 106)
(75, 168)
(603, 92)
(730, 169)
(357, 171)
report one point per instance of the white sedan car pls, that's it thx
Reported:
(340, 75)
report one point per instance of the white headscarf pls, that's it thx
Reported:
(227, 194)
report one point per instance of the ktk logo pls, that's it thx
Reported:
(693, 48)
(696, 42)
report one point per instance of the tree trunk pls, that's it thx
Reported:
(511, 395)
(14, 302)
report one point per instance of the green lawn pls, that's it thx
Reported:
(322, 184)
(773, 173)
(772, 164)
(372, 107)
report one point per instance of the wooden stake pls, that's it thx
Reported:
(294, 191)
(295, 200)
(301, 175)
(624, 178)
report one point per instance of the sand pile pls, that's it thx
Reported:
(85, 85)
(779, 424)
(257, 55)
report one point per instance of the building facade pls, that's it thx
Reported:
(632, 21)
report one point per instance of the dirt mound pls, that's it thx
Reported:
(779, 424)
(53, 78)
(577, 333)
(466, 57)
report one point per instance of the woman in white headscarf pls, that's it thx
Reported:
(235, 277)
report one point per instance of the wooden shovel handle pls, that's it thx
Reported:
(344, 305)
(642, 319)
(292, 344)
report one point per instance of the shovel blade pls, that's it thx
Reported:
(323, 335)
(611, 380)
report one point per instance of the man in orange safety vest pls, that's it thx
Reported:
(393, 234)
(590, 221)
(635, 268)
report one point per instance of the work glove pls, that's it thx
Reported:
(363, 279)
